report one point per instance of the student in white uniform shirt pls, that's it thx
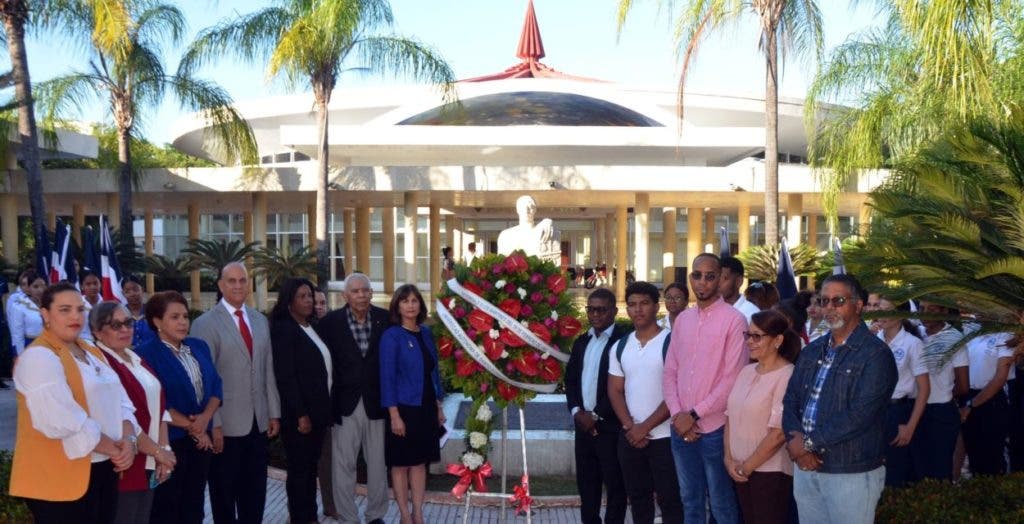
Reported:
(635, 370)
(24, 317)
(986, 413)
(729, 287)
(906, 407)
(677, 297)
(91, 286)
(935, 440)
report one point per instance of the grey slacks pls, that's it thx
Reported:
(357, 431)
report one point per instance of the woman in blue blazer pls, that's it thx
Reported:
(411, 392)
(193, 393)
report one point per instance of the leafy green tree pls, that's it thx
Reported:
(932, 68)
(131, 76)
(786, 26)
(278, 265)
(170, 274)
(313, 43)
(949, 223)
(213, 255)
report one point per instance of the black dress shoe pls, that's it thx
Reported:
(376, 521)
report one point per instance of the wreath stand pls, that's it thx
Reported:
(504, 495)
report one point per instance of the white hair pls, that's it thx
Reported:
(356, 276)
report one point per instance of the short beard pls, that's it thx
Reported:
(838, 323)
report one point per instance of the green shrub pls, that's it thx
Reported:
(981, 499)
(12, 509)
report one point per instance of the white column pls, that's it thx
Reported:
(388, 239)
(410, 237)
(621, 248)
(794, 218)
(641, 235)
(668, 245)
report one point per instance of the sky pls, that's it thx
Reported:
(480, 37)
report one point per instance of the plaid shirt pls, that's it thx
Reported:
(811, 409)
(360, 332)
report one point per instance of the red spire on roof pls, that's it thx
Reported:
(530, 51)
(531, 47)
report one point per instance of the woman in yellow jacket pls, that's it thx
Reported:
(76, 428)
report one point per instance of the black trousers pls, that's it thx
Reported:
(238, 479)
(1016, 387)
(765, 497)
(985, 434)
(597, 464)
(97, 506)
(181, 498)
(303, 452)
(650, 471)
(935, 441)
(898, 465)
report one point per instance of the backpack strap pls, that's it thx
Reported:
(621, 346)
(664, 347)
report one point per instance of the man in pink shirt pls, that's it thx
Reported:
(705, 356)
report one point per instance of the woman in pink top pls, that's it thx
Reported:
(754, 456)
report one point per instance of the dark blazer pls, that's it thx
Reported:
(355, 376)
(401, 367)
(574, 378)
(301, 374)
(178, 390)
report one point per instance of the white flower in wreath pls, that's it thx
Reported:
(472, 460)
(477, 440)
(483, 413)
(522, 293)
(451, 303)
(504, 354)
(500, 284)
(554, 315)
(493, 334)
(525, 324)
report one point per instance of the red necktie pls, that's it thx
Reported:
(244, 328)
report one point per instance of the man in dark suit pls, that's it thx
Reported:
(239, 340)
(597, 429)
(352, 334)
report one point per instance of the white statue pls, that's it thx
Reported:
(539, 239)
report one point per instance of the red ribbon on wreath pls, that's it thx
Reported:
(521, 498)
(469, 476)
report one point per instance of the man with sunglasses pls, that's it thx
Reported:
(834, 412)
(705, 355)
(597, 429)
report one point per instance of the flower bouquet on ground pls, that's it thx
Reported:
(505, 325)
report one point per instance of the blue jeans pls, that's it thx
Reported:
(838, 498)
(701, 470)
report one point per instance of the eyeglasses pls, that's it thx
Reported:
(839, 301)
(118, 326)
(754, 337)
(675, 299)
(600, 310)
(708, 276)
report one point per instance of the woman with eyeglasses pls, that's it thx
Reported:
(113, 326)
(193, 392)
(75, 431)
(908, 401)
(676, 299)
(754, 457)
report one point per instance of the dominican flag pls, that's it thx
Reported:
(786, 277)
(838, 266)
(43, 254)
(110, 271)
(61, 248)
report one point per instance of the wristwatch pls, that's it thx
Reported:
(135, 442)
(694, 415)
(809, 444)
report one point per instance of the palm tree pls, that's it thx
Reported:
(172, 274)
(311, 42)
(950, 226)
(15, 15)
(795, 25)
(278, 265)
(213, 255)
(131, 76)
(762, 262)
(932, 68)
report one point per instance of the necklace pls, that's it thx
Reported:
(85, 360)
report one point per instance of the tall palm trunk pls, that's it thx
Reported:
(124, 181)
(323, 97)
(771, 127)
(15, 14)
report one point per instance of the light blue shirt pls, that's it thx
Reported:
(591, 366)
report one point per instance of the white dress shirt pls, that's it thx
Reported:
(906, 349)
(39, 376)
(592, 366)
(324, 352)
(245, 313)
(746, 307)
(25, 321)
(942, 378)
(983, 354)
